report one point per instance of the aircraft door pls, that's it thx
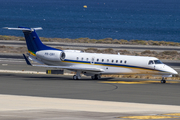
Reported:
(151, 63)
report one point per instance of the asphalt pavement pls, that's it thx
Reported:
(140, 92)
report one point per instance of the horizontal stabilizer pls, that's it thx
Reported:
(23, 29)
(34, 59)
(27, 61)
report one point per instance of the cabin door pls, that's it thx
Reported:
(151, 63)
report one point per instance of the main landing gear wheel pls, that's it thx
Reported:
(75, 77)
(95, 77)
(163, 80)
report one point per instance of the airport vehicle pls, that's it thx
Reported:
(90, 64)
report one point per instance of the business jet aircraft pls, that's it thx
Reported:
(90, 64)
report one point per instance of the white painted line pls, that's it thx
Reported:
(12, 60)
(27, 72)
(4, 64)
(18, 71)
(14, 102)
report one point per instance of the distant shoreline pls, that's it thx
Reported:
(99, 41)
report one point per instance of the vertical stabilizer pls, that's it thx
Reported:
(33, 42)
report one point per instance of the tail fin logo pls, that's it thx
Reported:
(32, 53)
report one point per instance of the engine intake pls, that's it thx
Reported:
(51, 55)
(62, 56)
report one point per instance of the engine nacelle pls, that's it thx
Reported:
(51, 55)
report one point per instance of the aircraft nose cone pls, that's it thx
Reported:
(171, 70)
(174, 72)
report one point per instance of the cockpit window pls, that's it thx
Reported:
(157, 62)
(150, 62)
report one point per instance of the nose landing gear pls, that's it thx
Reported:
(163, 80)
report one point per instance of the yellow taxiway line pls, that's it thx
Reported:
(148, 117)
(138, 82)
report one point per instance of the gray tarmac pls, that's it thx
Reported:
(58, 115)
(62, 86)
(58, 86)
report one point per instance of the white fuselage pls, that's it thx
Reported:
(109, 63)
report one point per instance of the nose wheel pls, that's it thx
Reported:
(163, 80)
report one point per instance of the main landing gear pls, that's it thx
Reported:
(163, 80)
(77, 76)
(96, 77)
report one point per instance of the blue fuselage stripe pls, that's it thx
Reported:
(110, 64)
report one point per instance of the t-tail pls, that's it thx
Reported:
(33, 42)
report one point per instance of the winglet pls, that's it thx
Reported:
(27, 61)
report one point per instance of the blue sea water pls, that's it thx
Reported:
(118, 19)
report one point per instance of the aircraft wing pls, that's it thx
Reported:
(73, 68)
(90, 69)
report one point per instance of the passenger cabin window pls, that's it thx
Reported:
(150, 62)
(87, 59)
(116, 61)
(125, 61)
(107, 60)
(81, 58)
(157, 62)
(102, 60)
(97, 60)
(121, 61)
(112, 61)
(77, 58)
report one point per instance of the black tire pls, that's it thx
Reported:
(163, 81)
(78, 77)
(93, 77)
(74, 77)
(96, 77)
